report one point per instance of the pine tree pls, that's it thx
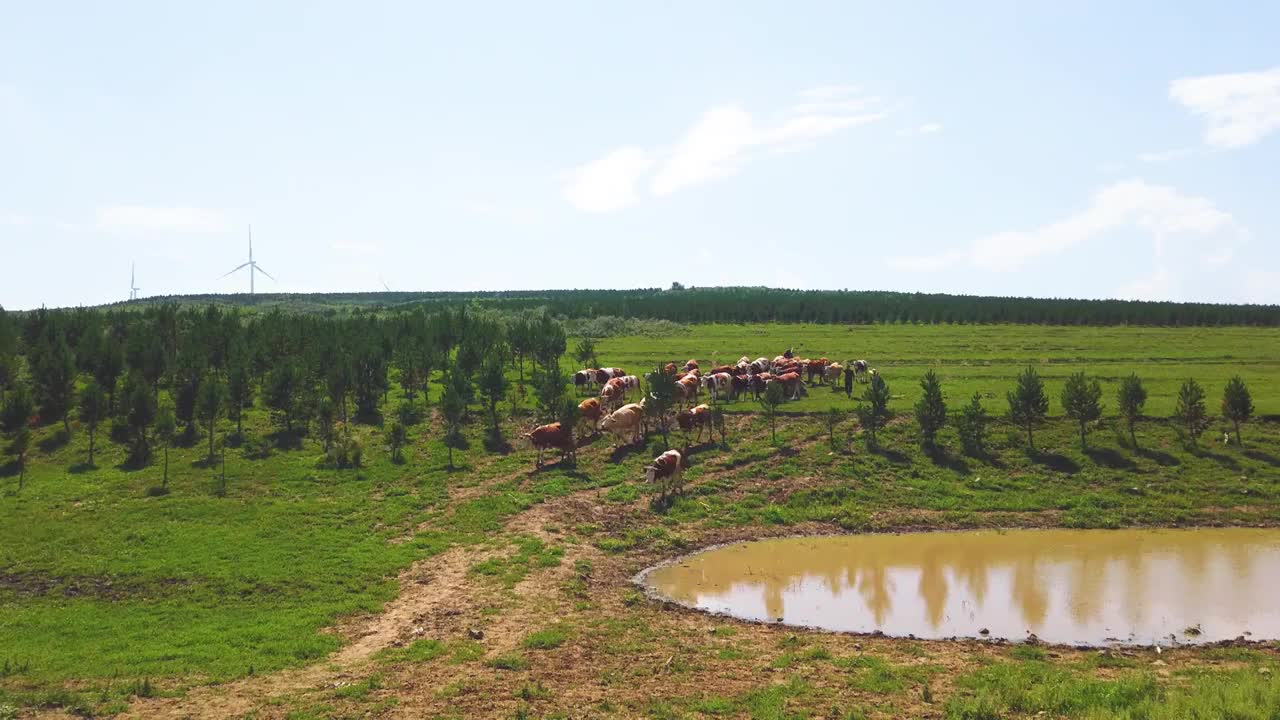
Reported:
(453, 406)
(166, 431)
(1130, 399)
(585, 353)
(212, 396)
(239, 388)
(396, 437)
(774, 396)
(971, 425)
(93, 409)
(1237, 405)
(660, 400)
(931, 409)
(1028, 403)
(282, 389)
(873, 410)
(493, 388)
(1190, 410)
(138, 406)
(1082, 402)
(833, 418)
(53, 372)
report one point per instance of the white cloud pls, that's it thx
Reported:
(1159, 285)
(925, 129)
(356, 248)
(1160, 210)
(11, 219)
(1164, 156)
(609, 183)
(1241, 108)
(167, 219)
(719, 144)
(1262, 286)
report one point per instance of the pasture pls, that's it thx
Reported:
(409, 589)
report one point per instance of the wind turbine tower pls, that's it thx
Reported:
(252, 265)
(133, 284)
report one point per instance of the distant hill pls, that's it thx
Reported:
(759, 304)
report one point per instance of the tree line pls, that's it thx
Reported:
(760, 304)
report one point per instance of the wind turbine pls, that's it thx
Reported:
(133, 285)
(253, 266)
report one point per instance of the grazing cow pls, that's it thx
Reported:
(698, 417)
(832, 373)
(604, 375)
(781, 360)
(624, 422)
(721, 369)
(687, 388)
(614, 393)
(719, 385)
(741, 385)
(860, 368)
(760, 365)
(668, 471)
(793, 384)
(816, 367)
(583, 380)
(545, 437)
(591, 410)
(670, 368)
(758, 383)
(691, 365)
(630, 382)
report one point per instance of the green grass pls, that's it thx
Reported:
(99, 580)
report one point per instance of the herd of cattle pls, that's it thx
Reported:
(611, 412)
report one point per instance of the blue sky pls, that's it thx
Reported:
(1016, 148)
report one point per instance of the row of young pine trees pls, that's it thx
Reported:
(1028, 406)
(162, 376)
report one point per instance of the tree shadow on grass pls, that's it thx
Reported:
(496, 443)
(1158, 457)
(943, 458)
(1111, 458)
(287, 440)
(1224, 460)
(133, 463)
(1260, 456)
(81, 468)
(9, 469)
(54, 442)
(893, 456)
(1054, 461)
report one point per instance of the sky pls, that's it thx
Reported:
(1083, 149)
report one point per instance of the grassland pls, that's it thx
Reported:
(413, 590)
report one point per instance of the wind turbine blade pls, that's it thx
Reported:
(231, 271)
(264, 272)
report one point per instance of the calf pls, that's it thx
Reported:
(668, 471)
(695, 417)
(591, 410)
(545, 437)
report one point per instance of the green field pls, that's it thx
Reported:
(111, 594)
(985, 358)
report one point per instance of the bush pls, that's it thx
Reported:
(347, 452)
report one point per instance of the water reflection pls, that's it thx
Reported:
(1070, 586)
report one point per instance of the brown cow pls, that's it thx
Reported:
(691, 365)
(816, 367)
(728, 369)
(591, 410)
(668, 471)
(687, 388)
(695, 417)
(793, 384)
(758, 383)
(544, 437)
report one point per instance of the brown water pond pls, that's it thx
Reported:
(1077, 587)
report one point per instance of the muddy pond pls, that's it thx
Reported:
(1078, 587)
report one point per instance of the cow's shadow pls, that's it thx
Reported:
(625, 451)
